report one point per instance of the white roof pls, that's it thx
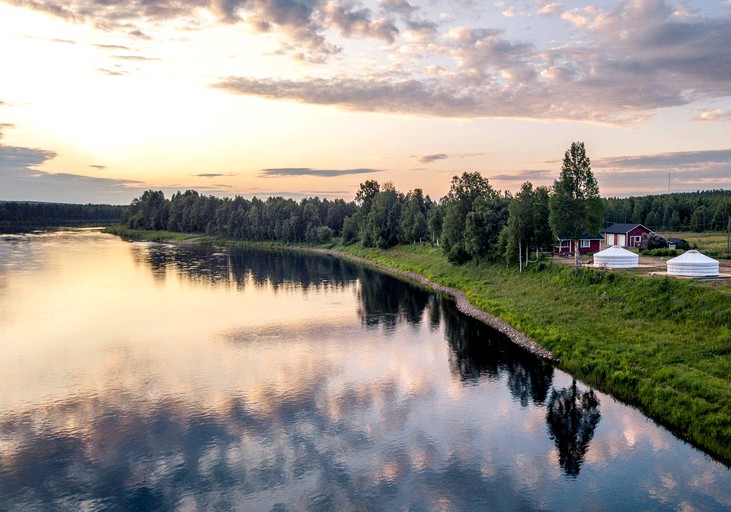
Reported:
(694, 264)
(616, 257)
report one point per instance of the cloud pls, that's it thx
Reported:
(19, 158)
(112, 47)
(528, 175)
(360, 23)
(715, 115)
(427, 159)
(674, 160)
(615, 66)
(305, 171)
(21, 180)
(287, 194)
(211, 175)
(301, 24)
(135, 57)
(5, 126)
(99, 167)
(680, 171)
(550, 8)
(112, 72)
(624, 65)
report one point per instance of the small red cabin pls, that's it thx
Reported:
(588, 244)
(625, 235)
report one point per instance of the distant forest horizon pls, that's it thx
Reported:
(703, 210)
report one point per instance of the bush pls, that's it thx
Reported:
(662, 252)
(324, 235)
(652, 241)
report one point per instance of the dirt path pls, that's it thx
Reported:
(464, 305)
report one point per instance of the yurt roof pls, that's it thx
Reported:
(692, 257)
(616, 251)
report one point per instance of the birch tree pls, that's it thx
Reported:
(575, 206)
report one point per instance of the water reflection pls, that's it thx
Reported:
(358, 392)
(478, 351)
(387, 301)
(238, 266)
(572, 417)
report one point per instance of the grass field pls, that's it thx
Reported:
(712, 242)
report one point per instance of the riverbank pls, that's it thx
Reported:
(463, 304)
(659, 343)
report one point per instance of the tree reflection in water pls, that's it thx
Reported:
(572, 418)
(479, 351)
(385, 300)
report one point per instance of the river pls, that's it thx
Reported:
(142, 376)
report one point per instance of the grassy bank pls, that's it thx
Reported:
(660, 343)
(152, 236)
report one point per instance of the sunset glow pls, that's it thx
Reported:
(100, 101)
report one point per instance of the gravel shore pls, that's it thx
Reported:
(464, 305)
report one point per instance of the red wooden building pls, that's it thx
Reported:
(626, 235)
(588, 244)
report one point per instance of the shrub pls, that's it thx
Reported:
(653, 241)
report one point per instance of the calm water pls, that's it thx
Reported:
(139, 376)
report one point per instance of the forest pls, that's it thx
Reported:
(707, 210)
(472, 221)
(57, 214)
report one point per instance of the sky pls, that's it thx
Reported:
(101, 100)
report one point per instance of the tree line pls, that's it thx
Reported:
(18, 213)
(473, 221)
(311, 220)
(707, 210)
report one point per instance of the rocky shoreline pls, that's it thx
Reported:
(463, 304)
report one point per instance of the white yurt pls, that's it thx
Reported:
(693, 264)
(616, 257)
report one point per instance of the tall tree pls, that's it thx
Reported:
(413, 217)
(367, 192)
(575, 206)
(463, 193)
(527, 224)
(483, 225)
(383, 226)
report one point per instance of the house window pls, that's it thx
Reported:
(585, 244)
(634, 241)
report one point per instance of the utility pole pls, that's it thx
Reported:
(728, 238)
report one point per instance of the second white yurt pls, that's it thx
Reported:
(616, 257)
(693, 264)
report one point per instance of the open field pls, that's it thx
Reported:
(713, 242)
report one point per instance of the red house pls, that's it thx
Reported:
(626, 235)
(588, 244)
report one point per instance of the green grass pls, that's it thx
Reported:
(153, 236)
(659, 343)
(712, 243)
